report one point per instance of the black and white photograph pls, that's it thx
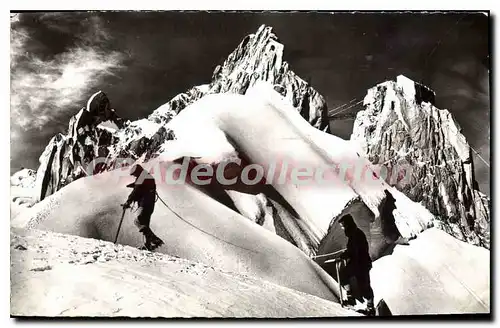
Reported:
(250, 164)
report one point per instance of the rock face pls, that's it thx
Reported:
(259, 57)
(401, 127)
(96, 131)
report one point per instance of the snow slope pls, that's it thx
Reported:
(63, 276)
(205, 231)
(435, 274)
(260, 128)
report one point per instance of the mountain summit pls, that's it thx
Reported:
(98, 131)
(400, 124)
(277, 228)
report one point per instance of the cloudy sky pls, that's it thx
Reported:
(143, 59)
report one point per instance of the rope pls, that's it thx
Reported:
(176, 214)
(487, 164)
(343, 110)
(199, 229)
(323, 255)
(414, 150)
(438, 43)
(208, 233)
(341, 106)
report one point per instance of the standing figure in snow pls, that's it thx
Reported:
(358, 262)
(144, 193)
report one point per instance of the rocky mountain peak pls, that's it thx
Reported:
(97, 131)
(415, 91)
(65, 157)
(401, 126)
(258, 57)
(97, 110)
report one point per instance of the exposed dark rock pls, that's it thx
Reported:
(401, 125)
(259, 57)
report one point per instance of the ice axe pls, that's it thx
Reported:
(338, 263)
(121, 221)
(337, 268)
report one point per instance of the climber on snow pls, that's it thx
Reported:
(144, 193)
(358, 262)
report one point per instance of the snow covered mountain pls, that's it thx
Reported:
(199, 225)
(401, 125)
(97, 131)
(257, 110)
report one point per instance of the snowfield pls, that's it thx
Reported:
(59, 275)
(194, 227)
(435, 274)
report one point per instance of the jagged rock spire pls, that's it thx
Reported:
(259, 57)
(401, 125)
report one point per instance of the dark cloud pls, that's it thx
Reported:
(160, 54)
(47, 85)
(44, 83)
